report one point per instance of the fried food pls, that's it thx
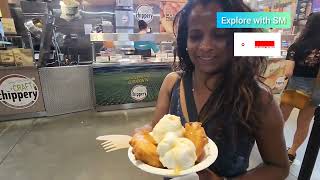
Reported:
(170, 145)
(144, 149)
(195, 132)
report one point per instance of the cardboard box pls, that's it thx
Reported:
(7, 57)
(5, 10)
(8, 26)
(23, 57)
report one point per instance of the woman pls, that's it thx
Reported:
(143, 27)
(223, 92)
(303, 66)
(144, 47)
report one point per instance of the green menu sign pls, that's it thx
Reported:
(125, 84)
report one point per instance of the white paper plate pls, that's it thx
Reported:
(211, 154)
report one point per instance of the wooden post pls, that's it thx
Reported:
(4, 7)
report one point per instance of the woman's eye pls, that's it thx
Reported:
(195, 36)
(219, 35)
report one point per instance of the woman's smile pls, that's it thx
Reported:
(207, 58)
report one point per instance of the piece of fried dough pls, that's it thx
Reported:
(195, 132)
(144, 149)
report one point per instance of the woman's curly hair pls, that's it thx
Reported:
(236, 95)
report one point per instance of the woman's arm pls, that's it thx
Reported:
(271, 145)
(154, 47)
(290, 62)
(289, 68)
(163, 102)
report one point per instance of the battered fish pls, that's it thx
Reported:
(144, 149)
(195, 132)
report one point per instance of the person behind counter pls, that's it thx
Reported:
(302, 70)
(144, 47)
(224, 93)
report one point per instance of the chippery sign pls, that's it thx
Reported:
(18, 92)
(145, 13)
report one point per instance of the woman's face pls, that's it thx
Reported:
(207, 45)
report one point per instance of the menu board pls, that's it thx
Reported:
(168, 11)
(8, 26)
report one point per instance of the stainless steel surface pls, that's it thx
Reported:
(166, 47)
(125, 106)
(128, 51)
(22, 116)
(93, 52)
(124, 19)
(67, 89)
(124, 3)
(34, 8)
(156, 37)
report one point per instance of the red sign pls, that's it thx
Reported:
(264, 44)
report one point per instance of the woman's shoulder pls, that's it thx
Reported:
(270, 114)
(265, 94)
(170, 80)
(173, 76)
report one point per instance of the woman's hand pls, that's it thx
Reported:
(146, 127)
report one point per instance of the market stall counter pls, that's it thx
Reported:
(21, 94)
(128, 85)
(28, 92)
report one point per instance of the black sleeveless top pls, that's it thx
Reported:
(234, 142)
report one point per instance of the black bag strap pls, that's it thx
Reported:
(189, 99)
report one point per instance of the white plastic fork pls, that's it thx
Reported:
(114, 142)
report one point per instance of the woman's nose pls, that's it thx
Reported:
(206, 44)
